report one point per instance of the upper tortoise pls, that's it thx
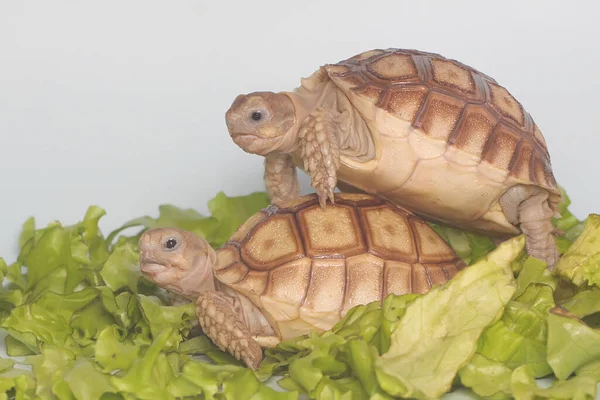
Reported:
(298, 268)
(429, 133)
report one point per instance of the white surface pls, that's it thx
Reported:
(121, 104)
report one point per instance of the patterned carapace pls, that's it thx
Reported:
(301, 261)
(452, 102)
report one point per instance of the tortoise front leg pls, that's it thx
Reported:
(223, 322)
(281, 179)
(320, 151)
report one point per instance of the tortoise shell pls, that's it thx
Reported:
(448, 135)
(305, 266)
(453, 102)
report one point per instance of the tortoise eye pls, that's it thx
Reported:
(256, 115)
(171, 243)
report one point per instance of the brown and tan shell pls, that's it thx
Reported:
(457, 120)
(305, 266)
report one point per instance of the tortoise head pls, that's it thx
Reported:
(177, 260)
(258, 122)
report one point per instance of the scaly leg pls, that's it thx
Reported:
(320, 151)
(223, 322)
(281, 179)
(535, 217)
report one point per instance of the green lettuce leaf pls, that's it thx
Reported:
(150, 374)
(17, 384)
(121, 268)
(16, 348)
(470, 247)
(517, 339)
(228, 213)
(97, 383)
(581, 263)
(243, 384)
(124, 307)
(77, 249)
(583, 303)
(197, 345)
(591, 369)
(52, 250)
(47, 321)
(50, 368)
(170, 216)
(161, 317)
(524, 387)
(571, 343)
(487, 377)
(439, 331)
(570, 226)
(208, 378)
(113, 351)
(75, 305)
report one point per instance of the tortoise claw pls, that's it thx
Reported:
(325, 195)
(322, 200)
(331, 196)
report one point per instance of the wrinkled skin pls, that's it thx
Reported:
(182, 263)
(275, 125)
(329, 128)
(177, 261)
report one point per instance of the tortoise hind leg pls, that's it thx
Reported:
(224, 324)
(535, 217)
(528, 207)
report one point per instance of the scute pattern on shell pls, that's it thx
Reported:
(451, 101)
(303, 264)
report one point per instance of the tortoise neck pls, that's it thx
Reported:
(353, 134)
(322, 94)
(201, 278)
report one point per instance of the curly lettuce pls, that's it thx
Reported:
(75, 307)
(581, 262)
(80, 322)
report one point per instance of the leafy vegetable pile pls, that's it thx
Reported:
(81, 323)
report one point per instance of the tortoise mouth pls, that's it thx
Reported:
(152, 270)
(245, 138)
(151, 267)
(252, 143)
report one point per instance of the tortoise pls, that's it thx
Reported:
(297, 268)
(426, 132)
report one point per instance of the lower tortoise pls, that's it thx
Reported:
(426, 132)
(297, 268)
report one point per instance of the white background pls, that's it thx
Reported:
(121, 103)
